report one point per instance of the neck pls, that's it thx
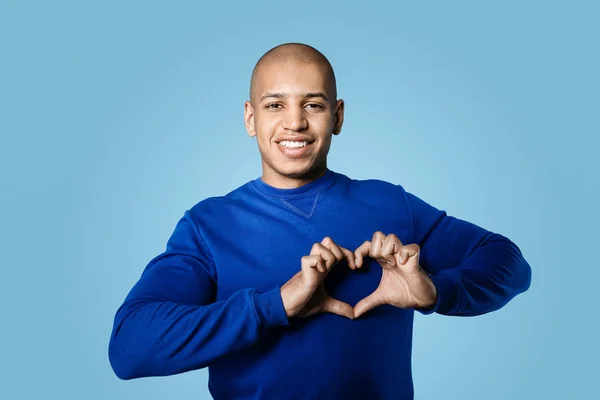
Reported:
(281, 181)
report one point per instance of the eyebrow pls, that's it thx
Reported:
(285, 95)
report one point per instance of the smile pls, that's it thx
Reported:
(290, 143)
(295, 149)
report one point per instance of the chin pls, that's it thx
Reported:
(297, 175)
(302, 172)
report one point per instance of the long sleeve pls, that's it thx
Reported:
(474, 270)
(169, 322)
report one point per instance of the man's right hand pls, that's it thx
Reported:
(304, 294)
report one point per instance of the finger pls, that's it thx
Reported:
(333, 247)
(361, 252)
(407, 252)
(321, 266)
(338, 307)
(326, 254)
(312, 264)
(391, 246)
(368, 303)
(349, 257)
(339, 252)
(376, 245)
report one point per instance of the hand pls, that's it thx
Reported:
(403, 283)
(304, 294)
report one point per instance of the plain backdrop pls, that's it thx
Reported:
(116, 117)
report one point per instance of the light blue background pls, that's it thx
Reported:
(117, 117)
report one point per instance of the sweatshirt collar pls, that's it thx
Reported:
(318, 184)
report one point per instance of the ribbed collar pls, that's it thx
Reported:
(312, 187)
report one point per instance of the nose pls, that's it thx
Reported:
(294, 119)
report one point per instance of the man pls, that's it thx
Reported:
(259, 284)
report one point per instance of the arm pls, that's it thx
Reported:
(169, 322)
(475, 271)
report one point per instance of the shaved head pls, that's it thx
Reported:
(293, 112)
(292, 53)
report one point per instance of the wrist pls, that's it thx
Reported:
(431, 298)
(269, 308)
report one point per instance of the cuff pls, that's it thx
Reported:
(269, 308)
(448, 288)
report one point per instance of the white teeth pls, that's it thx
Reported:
(290, 143)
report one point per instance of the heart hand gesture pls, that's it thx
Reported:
(403, 283)
(304, 294)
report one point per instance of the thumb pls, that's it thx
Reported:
(368, 303)
(338, 307)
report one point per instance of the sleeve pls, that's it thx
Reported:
(170, 323)
(474, 270)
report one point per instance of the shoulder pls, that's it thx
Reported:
(384, 191)
(372, 186)
(215, 205)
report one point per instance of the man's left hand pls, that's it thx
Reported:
(403, 283)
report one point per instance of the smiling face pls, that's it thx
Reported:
(293, 114)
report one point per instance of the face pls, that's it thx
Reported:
(293, 116)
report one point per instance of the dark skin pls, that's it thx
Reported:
(293, 96)
(293, 112)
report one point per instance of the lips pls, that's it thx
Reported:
(295, 138)
(294, 152)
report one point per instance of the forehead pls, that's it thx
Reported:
(292, 78)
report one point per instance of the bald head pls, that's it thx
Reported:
(296, 53)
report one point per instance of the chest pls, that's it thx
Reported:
(265, 250)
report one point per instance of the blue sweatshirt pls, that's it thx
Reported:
(212, 298)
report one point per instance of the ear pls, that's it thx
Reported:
(249, 118)
(339, 117)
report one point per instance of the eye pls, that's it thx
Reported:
(315, 106)
(273, 106)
